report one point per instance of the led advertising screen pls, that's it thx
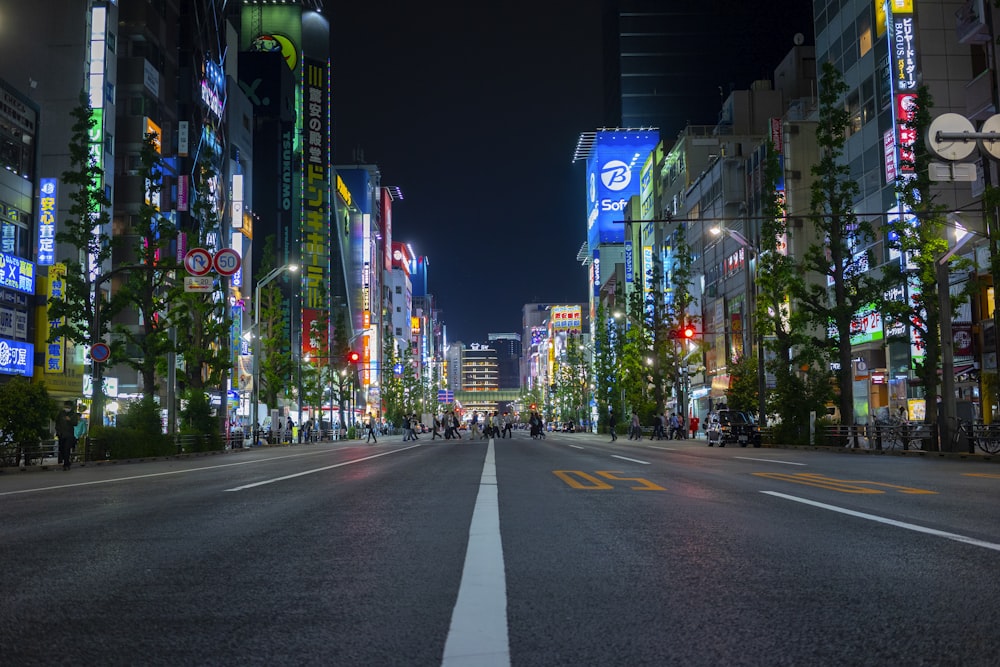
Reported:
(612, 177)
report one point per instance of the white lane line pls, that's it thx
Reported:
(787, 463)
(478, 632)
(576, 446)
(158, 474)
(890, 522)
(625, 458)
(315, 470)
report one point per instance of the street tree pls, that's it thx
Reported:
(88, 245)
(607, 378)
(145, 290)
(842, 250)
(920, 237)
(803, 383)
(274, 330)
(201, 317)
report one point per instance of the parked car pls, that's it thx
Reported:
(733, 427)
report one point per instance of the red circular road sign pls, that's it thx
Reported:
(227, 261)
(198, 261)
(100, 352)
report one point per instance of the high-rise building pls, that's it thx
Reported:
(669, 64)
(508, 348)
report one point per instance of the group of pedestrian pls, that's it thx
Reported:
(451, 424)
(537, 426)
(410, 425)
(674, 427)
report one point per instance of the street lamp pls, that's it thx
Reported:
(751, 311)
(256, 352)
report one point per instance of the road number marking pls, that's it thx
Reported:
(578, 479)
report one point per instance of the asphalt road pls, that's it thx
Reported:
(567, 551)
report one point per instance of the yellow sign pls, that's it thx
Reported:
(342, 190)
(55, 348)
(902, 6)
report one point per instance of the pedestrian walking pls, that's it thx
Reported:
(66, 422)
(612, 423)
(508, 425)
(437, 428)
(474, 425)
(675, 427)
(635, 431)
(371, 429)
(453, 425)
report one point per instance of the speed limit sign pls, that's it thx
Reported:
(227, 262)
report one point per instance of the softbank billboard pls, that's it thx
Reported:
(612, 177)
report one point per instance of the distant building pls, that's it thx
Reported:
(545, 327)
(508, 349)
(480, 370)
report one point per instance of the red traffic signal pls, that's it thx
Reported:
(684, 333)
(353, 356)
(534, 406)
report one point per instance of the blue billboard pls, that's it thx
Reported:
(612, 178)
(16, 273)
(16, 358)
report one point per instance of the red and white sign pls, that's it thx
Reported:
(227, 262)
(198, 261)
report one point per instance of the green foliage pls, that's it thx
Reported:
(274, 330)
(25, 413)
(202, 317)
(88, 209)
(146, 289)
(139, 433)
(923, 239)
(842, 243)
(742, 393)
(142, 416)
(197, 419)
(126, 443)
(572, 382)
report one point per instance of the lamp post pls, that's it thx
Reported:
(755, 331)
(256, 352)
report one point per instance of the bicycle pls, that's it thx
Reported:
(899, 435)
(987, 438)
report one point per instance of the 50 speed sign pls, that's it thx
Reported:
(227, 262)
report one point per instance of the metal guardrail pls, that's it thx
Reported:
(902, 436)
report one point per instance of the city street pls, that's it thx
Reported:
(566, 551)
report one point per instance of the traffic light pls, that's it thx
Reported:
(534, 406)
(687, 332)
(353, 356)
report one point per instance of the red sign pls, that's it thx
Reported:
(198, 262)
(227, 262)
(100, 352)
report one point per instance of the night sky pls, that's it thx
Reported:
(474, 110)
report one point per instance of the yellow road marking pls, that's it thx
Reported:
(578, 479)
(644, 484)
(842, 485)
(595, 484)
(987, 475)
